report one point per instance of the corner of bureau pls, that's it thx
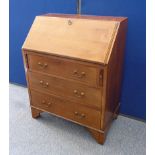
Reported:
(73, 66)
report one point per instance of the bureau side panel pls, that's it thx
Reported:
(114, 76)
(26, 67)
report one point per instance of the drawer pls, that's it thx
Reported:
(64, 68)
(66, 109)
(65, 88)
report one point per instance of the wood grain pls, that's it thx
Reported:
(67, 109)
(92, 17)
(62, 68)
(83, 38)
(66, 89)
(114, 76)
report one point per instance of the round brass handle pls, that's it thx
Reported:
(75, 72)
(47, 84)
(76, 113)
(45, 65)
(41, 82)
(75, 91)
(82, 94)
(49, 103)
(83, 73)
(83, 115)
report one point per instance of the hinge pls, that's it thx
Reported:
(101, 77)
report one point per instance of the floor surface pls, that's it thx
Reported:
(49, 135)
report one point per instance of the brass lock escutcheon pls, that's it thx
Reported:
(70, 22)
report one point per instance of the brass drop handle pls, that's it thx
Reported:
(79, 75)
(46, 104)
(44, 84)
(78, 94)
(42, 65)
(81, 116)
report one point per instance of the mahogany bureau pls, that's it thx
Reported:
(73, 66)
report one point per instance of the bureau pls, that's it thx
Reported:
(73, 66)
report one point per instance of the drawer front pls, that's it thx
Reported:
(67, 69)
(66, 109)
(66, 88)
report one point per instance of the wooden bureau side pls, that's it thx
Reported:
(113, 78)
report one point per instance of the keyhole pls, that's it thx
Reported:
(69, 22)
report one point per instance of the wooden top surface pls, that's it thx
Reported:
(80, 38)
(111, 18)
